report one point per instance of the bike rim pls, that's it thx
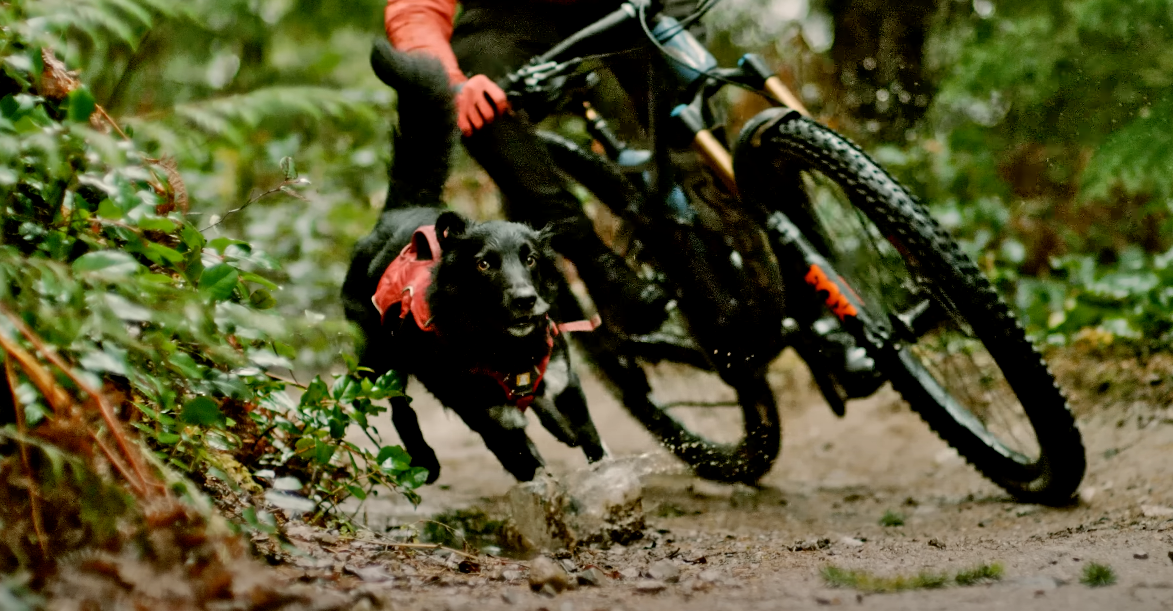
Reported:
(947, 358)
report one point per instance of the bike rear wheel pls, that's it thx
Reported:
(956, 352)
(727, 432)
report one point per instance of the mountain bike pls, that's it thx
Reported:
(793, 237)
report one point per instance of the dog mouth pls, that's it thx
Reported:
(523, 326)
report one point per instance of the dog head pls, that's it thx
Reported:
(495, 280)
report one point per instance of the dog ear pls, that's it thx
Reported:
(448, 226)
(546, 237)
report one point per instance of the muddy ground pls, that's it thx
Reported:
(736, 547)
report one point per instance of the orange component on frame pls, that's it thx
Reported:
(839, 304)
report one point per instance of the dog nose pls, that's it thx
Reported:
(524, 298)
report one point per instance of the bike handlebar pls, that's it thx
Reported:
(627, 11)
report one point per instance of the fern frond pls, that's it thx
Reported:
(100, 20)
(279, 108)
(1137, 157)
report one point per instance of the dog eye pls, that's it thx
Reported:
(483, 265)
(531, 261)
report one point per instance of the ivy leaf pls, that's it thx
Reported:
(219, 281)
(261, 299)
(155, 223)
(391, 384)
(337, 428)
(202, 411)
(314, 393)
(418, 476)
(109, 209)
(398, 457)
(109, 262)
(126, 310)
(186, 365)
(323, 452)
(81, 105)
(285, 350)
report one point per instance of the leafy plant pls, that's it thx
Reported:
(892, 518)
(118, 312)
(925, 580)
(978, 574)
(1096, 575)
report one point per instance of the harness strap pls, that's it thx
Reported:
(522, 388)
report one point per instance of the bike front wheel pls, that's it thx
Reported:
(955, 351)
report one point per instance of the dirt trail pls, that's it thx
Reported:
(834, 480)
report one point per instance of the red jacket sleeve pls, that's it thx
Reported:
(424, 26)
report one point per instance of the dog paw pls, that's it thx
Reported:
(430, 463)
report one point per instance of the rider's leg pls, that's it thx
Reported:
(490, 42)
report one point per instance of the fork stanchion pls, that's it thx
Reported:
(755, 66)
(704, 141)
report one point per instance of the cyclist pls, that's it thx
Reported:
(493, 37)
(490, 38)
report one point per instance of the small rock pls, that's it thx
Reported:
(1170, 555)
(457, 604)
(664, 570)
(591, 576)
(1142, 555)
(851, 542)
(511, 597)
(629, 573)
(1156, 511)
(714, 575)
(823, 600)
(937, 543)
(1087, 494)
(650, 586)
(372, 573)
(568, 565)
(511, 574)
(547, 576)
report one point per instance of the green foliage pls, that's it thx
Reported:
(1131, 300)
(227, 89)
(98, 262)
(979, 574)
(1096, 575)
(309, 440)
(892, 518)
(1046, 151)
(925, 580)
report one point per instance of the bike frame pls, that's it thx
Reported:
(699, 77)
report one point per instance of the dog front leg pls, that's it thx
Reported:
(503, 429)
(408, 426)
(572, 405)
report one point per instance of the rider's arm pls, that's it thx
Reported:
(424, 26)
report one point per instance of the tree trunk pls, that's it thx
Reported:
(878, 54)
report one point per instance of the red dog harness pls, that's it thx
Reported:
(406, 281)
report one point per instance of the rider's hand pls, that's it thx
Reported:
(478, 101)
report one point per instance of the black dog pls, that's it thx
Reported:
(487, 349)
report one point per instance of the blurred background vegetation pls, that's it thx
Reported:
(1038, 131)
